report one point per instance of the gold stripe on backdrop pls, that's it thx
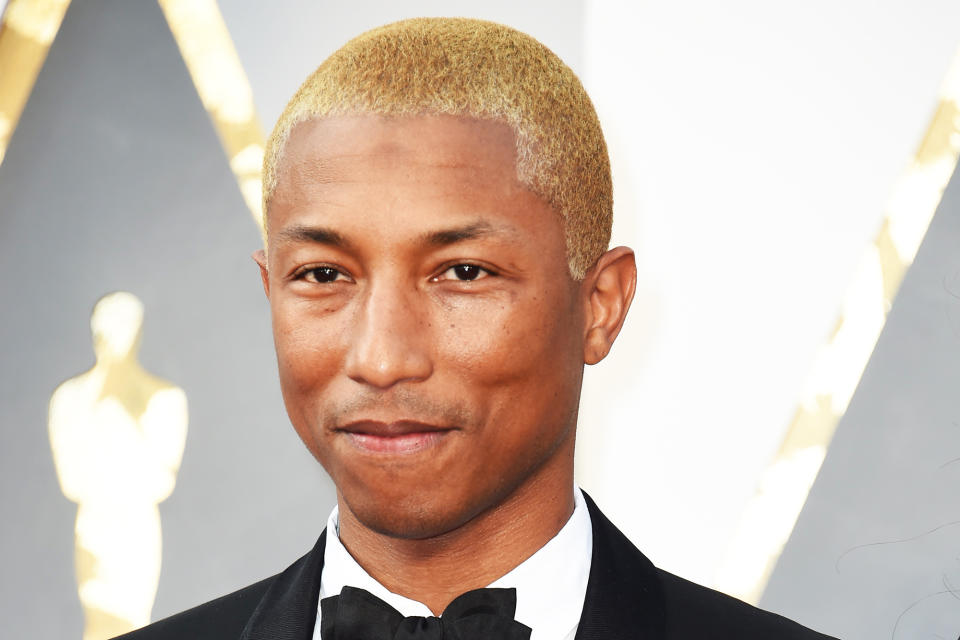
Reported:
(26, 32)
(770, 516)
(221, 82)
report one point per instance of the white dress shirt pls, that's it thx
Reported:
(551, 584)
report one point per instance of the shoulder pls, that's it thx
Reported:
(284, 604)
(628, 593)
(696, 611)
(224, 617)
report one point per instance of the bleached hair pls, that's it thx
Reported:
(478, 69)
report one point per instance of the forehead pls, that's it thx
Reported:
(353, 168)
(321, 151)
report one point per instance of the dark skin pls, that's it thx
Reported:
(431, 343)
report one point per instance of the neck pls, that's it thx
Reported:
(436, 570)
(109, 361)
(108, 369)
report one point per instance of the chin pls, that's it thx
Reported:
(405, 526)
(410, 517)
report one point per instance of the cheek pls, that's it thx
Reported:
(518, 364)
(308, 358)
(308, 350)
(524, 342)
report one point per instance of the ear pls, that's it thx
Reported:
(608, 291)
(260, 257)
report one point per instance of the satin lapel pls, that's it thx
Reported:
(624, 599)
(288, 610)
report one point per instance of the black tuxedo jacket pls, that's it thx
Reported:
(627, 599)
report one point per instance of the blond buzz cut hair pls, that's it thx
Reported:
(483, 70)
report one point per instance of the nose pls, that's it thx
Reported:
(390, 341)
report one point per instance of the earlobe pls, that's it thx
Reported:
(610, 287)
(260, 257)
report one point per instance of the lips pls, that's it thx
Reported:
(399, 437)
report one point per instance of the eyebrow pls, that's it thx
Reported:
(458, 234)
(316, 235)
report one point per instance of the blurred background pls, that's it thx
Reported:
(779, 419)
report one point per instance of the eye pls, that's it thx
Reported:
(464, 273)
(320, 275)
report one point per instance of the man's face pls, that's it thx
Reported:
(428, 333)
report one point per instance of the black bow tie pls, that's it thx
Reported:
(481, 614)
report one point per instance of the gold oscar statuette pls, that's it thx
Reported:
(117, 435)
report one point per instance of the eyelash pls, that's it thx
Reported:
(483, 272)
(301, 274)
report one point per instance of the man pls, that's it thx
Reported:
(438, 208)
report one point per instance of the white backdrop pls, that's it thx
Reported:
(754, 146)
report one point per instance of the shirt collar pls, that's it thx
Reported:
(551, 584)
